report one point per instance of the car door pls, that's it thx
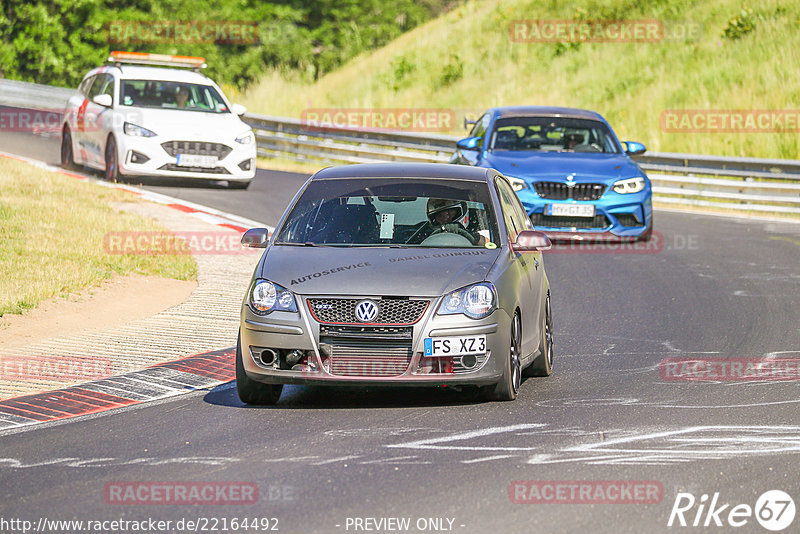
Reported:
(76, 116)
(528, 264)
(99, 119)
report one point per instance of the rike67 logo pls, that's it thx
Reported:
(774, 510)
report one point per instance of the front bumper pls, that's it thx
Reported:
(145, 156)
(616, 216)
(284, 332)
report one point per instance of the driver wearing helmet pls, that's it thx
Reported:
(444, 216)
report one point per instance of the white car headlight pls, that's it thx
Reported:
(137, 131)
(266, 297)
(246, 138)
(476, 301)
(517, 184)
(629, 185)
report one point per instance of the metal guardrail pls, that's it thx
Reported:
(750, 184)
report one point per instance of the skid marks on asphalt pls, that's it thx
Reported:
(527, 443)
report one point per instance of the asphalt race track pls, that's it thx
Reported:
(329, 460)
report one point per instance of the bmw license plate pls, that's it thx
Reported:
(569, 210)
(196, 160)
(455, 346)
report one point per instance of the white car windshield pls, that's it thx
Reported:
(172, 95)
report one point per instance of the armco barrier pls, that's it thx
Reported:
(750, 184)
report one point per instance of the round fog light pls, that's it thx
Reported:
(469, 361)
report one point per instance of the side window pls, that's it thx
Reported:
(514, 223)
(479, 130)
(108, 87)
(85, 85)
(97, 86)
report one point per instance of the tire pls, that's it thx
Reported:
(112, 161)
(508, 387)
(235, 184)
(67, 155)
(543, 364)
(250, 391)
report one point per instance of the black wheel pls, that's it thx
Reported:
(508, 387)
(67, 157)
(250, 391)
(543, 364)
(236, 184)
(112, 161)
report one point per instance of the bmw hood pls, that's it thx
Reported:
(179, 125)
(418, 272)
(535, 166)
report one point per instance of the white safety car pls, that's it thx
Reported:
(136, 116)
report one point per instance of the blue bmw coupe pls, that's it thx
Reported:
(574, 177)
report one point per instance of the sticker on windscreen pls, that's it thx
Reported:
(490, 245)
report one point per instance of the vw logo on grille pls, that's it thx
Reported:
(366, 311)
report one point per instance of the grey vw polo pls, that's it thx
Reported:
(397, 274)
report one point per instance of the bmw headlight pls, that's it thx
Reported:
(137, 131)
(476, 301)
(629, 185)
(246, 138)
(266, 297)
(517, 184)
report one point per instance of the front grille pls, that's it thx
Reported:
(393, 311)
(365, 332)
(550, 221)
(561, 191)
(199, 148)
(204, 170)
(367, 357)
(627, 219)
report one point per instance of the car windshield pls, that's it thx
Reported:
(552, 134)
(172, 95)
(392, 212)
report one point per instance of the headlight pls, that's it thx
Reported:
(266, 297)
(246, 138)
(629, 185)
(475, 301)
(137, 131)
(517, 183)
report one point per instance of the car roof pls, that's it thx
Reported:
(135, 72)
(545, 111)
(406, 170)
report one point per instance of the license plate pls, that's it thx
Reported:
(195, 160)
(570, 210)
(455, 346)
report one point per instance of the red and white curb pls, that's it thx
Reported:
(160, 381)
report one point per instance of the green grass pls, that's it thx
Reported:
(51, 237)
(744, 58)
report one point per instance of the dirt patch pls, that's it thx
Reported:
(115, 302)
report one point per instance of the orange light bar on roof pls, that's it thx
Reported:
(167, 60)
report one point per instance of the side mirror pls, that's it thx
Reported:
(238, 109)
(470, 143)
(103, 100)
(632, 148)
(531, 241)
(256, 238)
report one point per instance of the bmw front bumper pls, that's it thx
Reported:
(623, 216)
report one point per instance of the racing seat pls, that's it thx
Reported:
(506, 140)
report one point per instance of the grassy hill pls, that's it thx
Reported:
(735, 58)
